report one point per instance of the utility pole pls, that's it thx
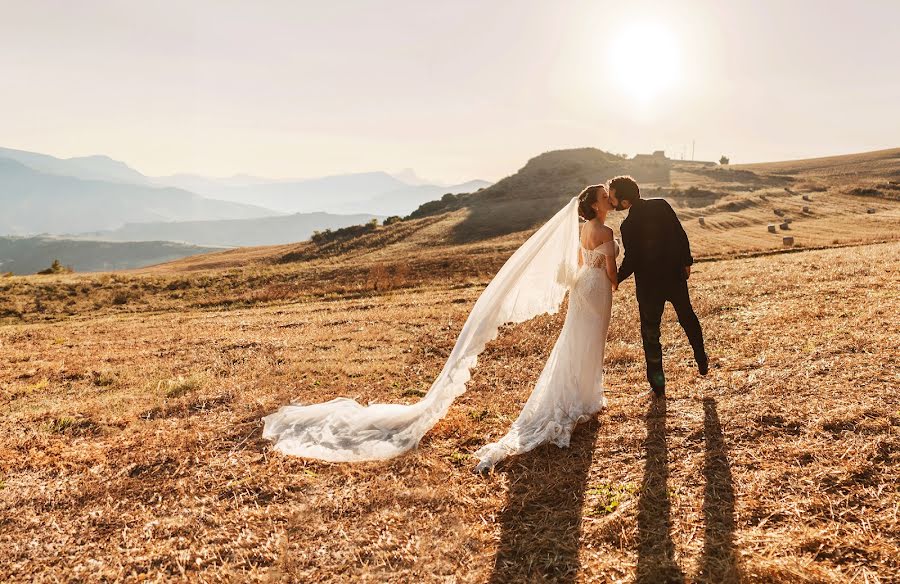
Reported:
(693, 143)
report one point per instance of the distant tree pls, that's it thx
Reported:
(392, 219)
(724, 160)
(57, 268)
(373, 223)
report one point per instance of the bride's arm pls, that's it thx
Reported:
(611, 272)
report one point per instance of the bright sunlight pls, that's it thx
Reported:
(645, 61)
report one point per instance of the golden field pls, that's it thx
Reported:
(131, 450)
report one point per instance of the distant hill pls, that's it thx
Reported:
(378, 193)
(235, 232)
(537, 190)
(85, 167)
(28, 255)
(36, 202)
(881, 163)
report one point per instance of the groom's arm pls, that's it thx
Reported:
(627, 267)
(681, 239)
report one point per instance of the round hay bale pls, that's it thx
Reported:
(787, 241)
(773, 228)
(807, 198)
(785, 226)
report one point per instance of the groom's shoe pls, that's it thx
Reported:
(703, 364)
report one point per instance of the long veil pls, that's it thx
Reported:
(533, 281)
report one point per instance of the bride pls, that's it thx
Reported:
(555, 260)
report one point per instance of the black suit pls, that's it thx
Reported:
(656, 252)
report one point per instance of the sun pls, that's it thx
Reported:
(645, 61)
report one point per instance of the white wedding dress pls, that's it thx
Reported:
(533, 281)
(570, 387)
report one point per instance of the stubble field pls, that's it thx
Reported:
(130, 444)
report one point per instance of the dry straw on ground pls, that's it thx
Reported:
(781, 466)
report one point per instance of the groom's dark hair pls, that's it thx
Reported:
(626, 188)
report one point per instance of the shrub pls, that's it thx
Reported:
(57, 268)
(724, 160)
(120, 298)
(329, 235)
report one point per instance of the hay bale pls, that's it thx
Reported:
(807, 198)
(772, 228)
(702, 221)
(788, 241)
(870, 211)
(779, 212)
(806, 209)
(785, 226)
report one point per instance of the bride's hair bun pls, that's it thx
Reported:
(586, 200)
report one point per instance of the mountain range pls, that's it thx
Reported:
(101, 201)
(46, 194)
(36, 202)
(378, 193)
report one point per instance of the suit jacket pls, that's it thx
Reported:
(656, 246)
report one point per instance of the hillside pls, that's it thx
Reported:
(881, 163)
(35, 202)
(737, 206)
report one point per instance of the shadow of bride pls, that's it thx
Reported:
(541, 523)
(719, 561)
(656, 550)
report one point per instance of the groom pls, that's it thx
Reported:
(657, 252)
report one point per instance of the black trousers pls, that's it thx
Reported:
(652, 298)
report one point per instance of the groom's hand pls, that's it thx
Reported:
(687, 272)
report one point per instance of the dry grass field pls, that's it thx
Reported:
(131, 450)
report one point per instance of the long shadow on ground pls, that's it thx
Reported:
(719, 561)
(656, 551)
(541, 523)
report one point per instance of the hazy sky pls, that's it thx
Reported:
(456, 90)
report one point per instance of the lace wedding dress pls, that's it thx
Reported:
(570, 387)
(533, 281)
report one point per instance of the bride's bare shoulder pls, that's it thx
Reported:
(606, 234)
(594, 234)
